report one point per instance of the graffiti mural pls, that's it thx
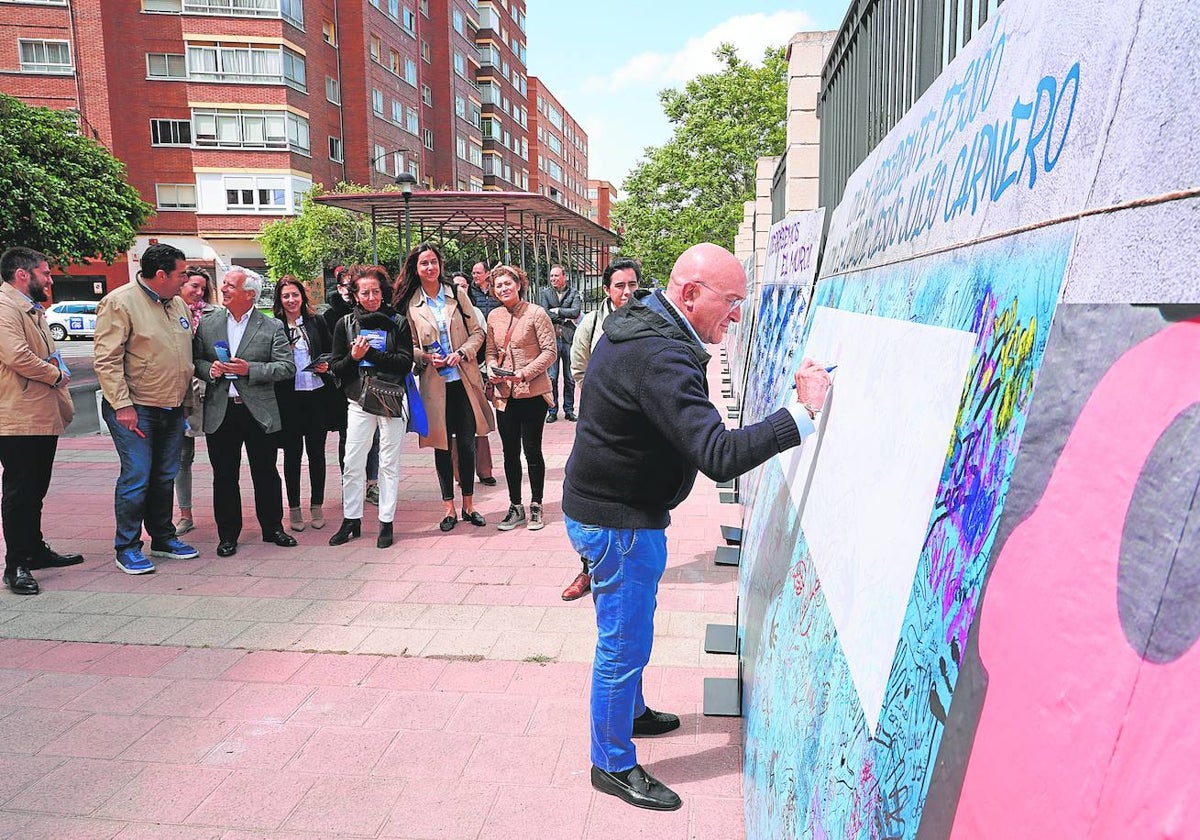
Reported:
(1091, 618)
(831, 753)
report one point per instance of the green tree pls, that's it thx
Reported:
(62, 193)
(321, 236)
(692, 189)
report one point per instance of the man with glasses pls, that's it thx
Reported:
(645, 429)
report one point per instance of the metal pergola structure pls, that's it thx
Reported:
(516, 228)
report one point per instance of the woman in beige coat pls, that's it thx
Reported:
(446, 336)
(521, 347)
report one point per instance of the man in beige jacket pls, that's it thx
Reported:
(35, 409)
(143, 359)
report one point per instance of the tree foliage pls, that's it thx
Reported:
(692, 189)
(62, 193)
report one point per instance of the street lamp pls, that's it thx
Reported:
(406, 181)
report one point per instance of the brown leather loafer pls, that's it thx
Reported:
(578, 588)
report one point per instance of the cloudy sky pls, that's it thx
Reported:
(607, 62)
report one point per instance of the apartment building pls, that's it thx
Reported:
(225, 112)
(559, 148)
(503, 84)
(601, 196)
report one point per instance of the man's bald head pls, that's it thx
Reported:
(708, 286)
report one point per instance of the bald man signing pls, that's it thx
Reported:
(645, 429)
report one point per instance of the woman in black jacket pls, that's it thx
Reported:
(370, 342)
(306, 401)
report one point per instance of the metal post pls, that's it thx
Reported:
(407, 224)
(374, 244)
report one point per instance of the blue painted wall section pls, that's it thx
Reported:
(812, 769)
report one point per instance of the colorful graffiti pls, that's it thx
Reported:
(815, 767)
(1091, 617)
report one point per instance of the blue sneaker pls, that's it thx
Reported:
(131, 561)
(173, 549)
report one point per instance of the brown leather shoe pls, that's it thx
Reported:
(578, 588)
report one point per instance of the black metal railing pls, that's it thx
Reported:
(885, 55)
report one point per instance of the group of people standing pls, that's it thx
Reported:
(174, 365)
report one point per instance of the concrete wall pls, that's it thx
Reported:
(922, 659)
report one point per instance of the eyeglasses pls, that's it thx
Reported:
(734, 303)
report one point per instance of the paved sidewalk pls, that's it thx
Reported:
(437, 689)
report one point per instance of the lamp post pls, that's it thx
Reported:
(370, 168)
(406, 181)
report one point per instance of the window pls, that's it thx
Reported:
(165, 66)
(292, 11)
(491, 128)
(426, 95)
(414, 169)
(460, 106)
(297, 131)
(410, 71)
(250, 193)
(476, 155)
(333, 90)
(475, 114)
(411, 121)
(460, 64)
(336, 151)
(168, 6)
(170, 132)
(394, 9)
(250, 129)
(377, 101)
(329, 32)
(175, 196)
(394, 61)
(460, 146)
(376, 48)
(554, 144)
(256, 65)
(425, 51)
(380, 159)
(46, 57)
(427, 139)
(294, 73)
(458, 21)
(397, 113)
(410, 22)
(398, 162)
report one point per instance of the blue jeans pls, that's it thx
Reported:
(145, 488)
(626, 566)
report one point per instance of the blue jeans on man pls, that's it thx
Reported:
(626, 566)
(149, 462)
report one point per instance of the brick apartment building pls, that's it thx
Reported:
(503, 83)
(601, 196)
(559, 147)
(226, 111)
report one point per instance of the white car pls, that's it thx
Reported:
(72, 319)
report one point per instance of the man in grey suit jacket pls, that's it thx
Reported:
(241, 354)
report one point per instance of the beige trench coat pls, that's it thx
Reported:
(30, 401)
(467, 337)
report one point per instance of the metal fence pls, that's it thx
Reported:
(886, 54)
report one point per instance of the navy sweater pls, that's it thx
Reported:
(646, 424)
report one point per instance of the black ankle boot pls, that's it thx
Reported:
(351, 529)
(385, 535)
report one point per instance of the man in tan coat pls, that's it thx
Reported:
(35, 409)
(143, 361)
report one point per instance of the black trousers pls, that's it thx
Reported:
(305, 427)
(460, 433)
(521, 425)
(240, 429)
(28, 461)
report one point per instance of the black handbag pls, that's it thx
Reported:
(381, 397)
